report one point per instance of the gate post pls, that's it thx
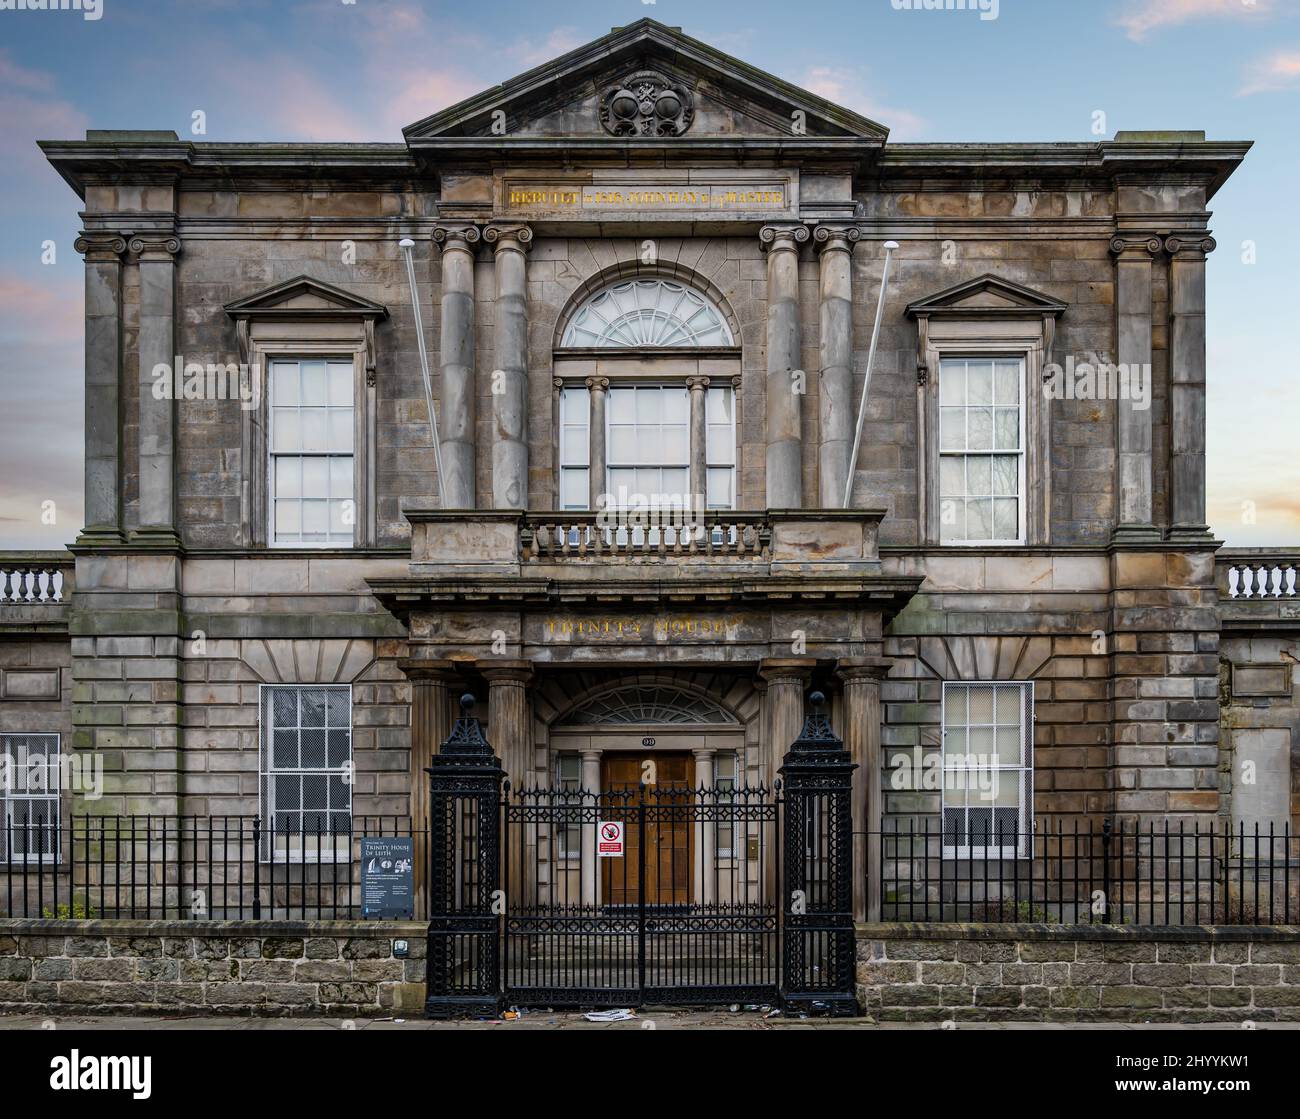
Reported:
(817, 941)
(462, 964)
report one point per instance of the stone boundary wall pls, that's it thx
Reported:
(210, 967)
(1078, 973)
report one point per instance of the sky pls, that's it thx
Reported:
(1042, 70)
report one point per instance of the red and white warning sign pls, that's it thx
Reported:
(609, 839)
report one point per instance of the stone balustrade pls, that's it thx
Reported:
(1258, 573)
(28, 578)
(549, 537)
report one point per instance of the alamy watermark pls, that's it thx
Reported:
(89, 9)
(194, 380)
(988, 9)
(1095, 379)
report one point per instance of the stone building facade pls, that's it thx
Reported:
(648, 276)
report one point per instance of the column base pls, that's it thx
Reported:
(1136, 534)
(1191, 534)
(159, 538)
(98, 536)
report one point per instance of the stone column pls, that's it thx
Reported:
(862, 735)
(157, 346)
(103, 252)
(510, 376)
(1133, 263)
(456, 362)
(510, 720)
(1187, 386)
(835, 387)
(433, 684)
(785, 389)
(705, 887)
(590, 860)
(698, 435)
(787, 681)
(598, 396)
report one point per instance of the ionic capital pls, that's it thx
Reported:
(1190, 246)
(508, 236)
(697, 384)
(836, 236)
(787, 236)
(155, 248)
(597, 384)
(1143, 246)
(457, 235)
(100, 246)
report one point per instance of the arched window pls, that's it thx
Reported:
(651, 312)
(640, 705)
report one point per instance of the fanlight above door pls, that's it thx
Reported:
(647, 313)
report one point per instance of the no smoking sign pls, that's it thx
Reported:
(610, 839)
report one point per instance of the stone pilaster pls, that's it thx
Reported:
(432, 695)
(1187, 386)
(510, 720)
(862, 738)
(835, 387)
(456, 361)
(103, 471)
(510, 243)
(786, 679)
(598, 397)
(157, 347)
(785, 387)
(590, 858)
(705, 872)
(1134, 256)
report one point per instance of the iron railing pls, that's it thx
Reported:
(1092, 873)
(187, 868)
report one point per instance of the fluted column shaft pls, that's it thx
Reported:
(785, 387)
(510, 376)
(510, 721)
(862, 739)
(103, 470)
(1133, 268)
(456, 363)
(157, 439)
(598, 397)
(787, 680)
(699, 387)
(835, 387)
(1187, 385)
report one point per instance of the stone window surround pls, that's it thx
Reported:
(1028, 339)
(295, 341)
(55, 794)
(686, 366)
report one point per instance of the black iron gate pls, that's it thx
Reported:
(659, 894)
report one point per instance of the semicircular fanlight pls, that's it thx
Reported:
(652, 312)
(662, 705)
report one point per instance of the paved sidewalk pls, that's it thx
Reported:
(545, 1020)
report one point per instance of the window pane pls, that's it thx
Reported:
(720, 445)
(312, 707)
(315, 477)
(676, 405)
(313, 383)
(979, 382)
(979, 519)
(980, 428)
(340, 429)
(575, 445)
(284, 382)
(1006, 519)
(288, 476)
(340, 476)
(979, 477)
(285, 430)
(574, 491)
(719, 406)
(676, 446)
(315, 519)
(1006, 475)
(288, 519)
(952, 383)
(952, 476)
(649, 408)
(1008, 429)
(314, 434)
(340, 379)
(721, 488)
(312, 745)
(981, 705)
(622, 406)
(952, 429)
(342, 519)
(574, 405)
(1007, 383)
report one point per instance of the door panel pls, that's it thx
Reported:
(668, 831)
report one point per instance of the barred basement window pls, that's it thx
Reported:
(306, 752)
(312, 502)
(988, 731)
(29, 796)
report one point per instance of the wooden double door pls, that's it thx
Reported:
(669, 779)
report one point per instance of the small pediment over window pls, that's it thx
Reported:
(308, 299)
(987, 296)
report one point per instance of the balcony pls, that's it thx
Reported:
(35, 589)
(1259, 587)
(537, 556)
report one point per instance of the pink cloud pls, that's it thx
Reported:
(1141, 17)
(847, 87)
(14, 76)
(1274, 72)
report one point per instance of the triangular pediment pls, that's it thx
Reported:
(644, 83)
(305, 297)
(987, 295)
